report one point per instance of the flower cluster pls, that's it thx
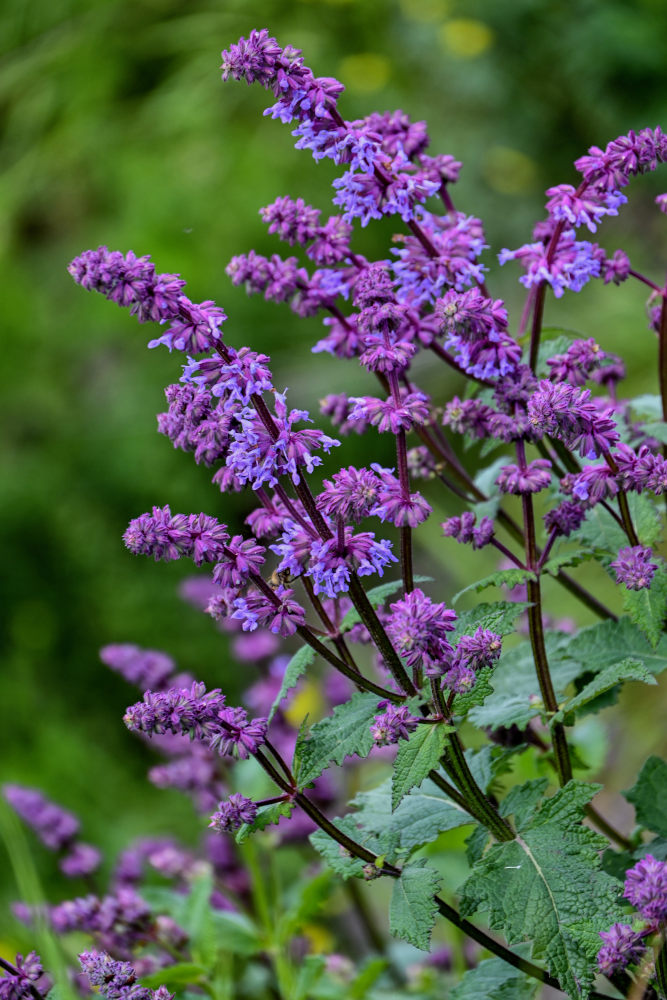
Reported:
(26, 980)
(393, 724)
(646, 888)
(117, 980)
(56, 828)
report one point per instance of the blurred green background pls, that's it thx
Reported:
(118, 130)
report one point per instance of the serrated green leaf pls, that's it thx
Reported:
(415, 758)
(412, 910)
(648, 796)
(546, 886)
(421, 817)
(266, 816)
(502, 578)
(601, 532)
(343, 734)
(615, 673)
(490, 762)
(522, 800)
(384, 843)
(647, 607)
(477, 694)
(516, 693)
(599, 646)
(494, 979)
(377, 596)
(563, 559)
(174, 975)
(296, 667)
(499, 618)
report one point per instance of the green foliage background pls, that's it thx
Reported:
(117, 130)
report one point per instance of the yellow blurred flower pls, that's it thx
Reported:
(466, 38)
(364, 72)
(307, 701)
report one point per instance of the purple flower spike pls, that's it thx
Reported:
(464, 529)
(393, 725)
(634, 568)
(535, 477)
(55, 826)
(148, 669)
(622, 946)
(166, 536)
(233, 813)
(418, 628)
(82, 860)
(646, 889)
(26, 980)
(117, 980)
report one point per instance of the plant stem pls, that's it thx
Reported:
(476, 801)
(380, 637)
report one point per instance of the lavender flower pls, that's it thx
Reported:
(634, 568)
(117, 980)
(568, 413)
(571, 267)
(233, 813)
(145, 668)
(177, 710)
(465, 529)
(623, 158)
(166, 536)
(280, 613)
(534, 477)
(55, 826)
(332, 563)
(351, 494)
(393, 724)
(27, 979)
(587, 208)
(622, 946)
(418, 628)
(82, 860)
(646, 889)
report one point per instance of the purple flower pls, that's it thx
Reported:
(534, 477)
(82, 859)
(646, 889)
(568, 413)
(458, 240)
(177, 710)
(169, 537)
(332, 563)
(237, 379)
(593, 484)
(393, 724)
(389, 415)
(233, 813)
(236, 735)
(339, 407)
(470, 313)
(331, 243)
(661, 202)
(623, 158)
(565, 518)
(350, 494)
(117, 980)
(55, 826)
(482, 649)
(468, 416)
(634, 568)
(587, 208)
(196, 423)
(145, 668)
(403, 511)
(293, 221)
(571, 266)
(242, 558)
(576, 365)
(622, 946)
(25, 981)
(418, 629)
(281, 614)
(616, 268)
(464, 529)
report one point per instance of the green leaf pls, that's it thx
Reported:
(377, 596)
(656, 429)
(236, 933)
(266, 816)
(310, 898)
(563, 559)
(296, 667)
(648, 796)
(522, 800)
(197, 920)
(344, 733)
(421, 817)
(647, 407)
(546, 886)
(311, 969)
(602, 533)
(615, 673)
(416, 757)
(516, 693)
(174, 975)
(412, 910)
(490, 762)
(499, 618)
(503, 578)
(600, 646)
(494, 979)
(367, 977)
(382, 844)
(647, 608)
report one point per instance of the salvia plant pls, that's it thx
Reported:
(554, 893)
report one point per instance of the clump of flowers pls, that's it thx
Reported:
(406, 671)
